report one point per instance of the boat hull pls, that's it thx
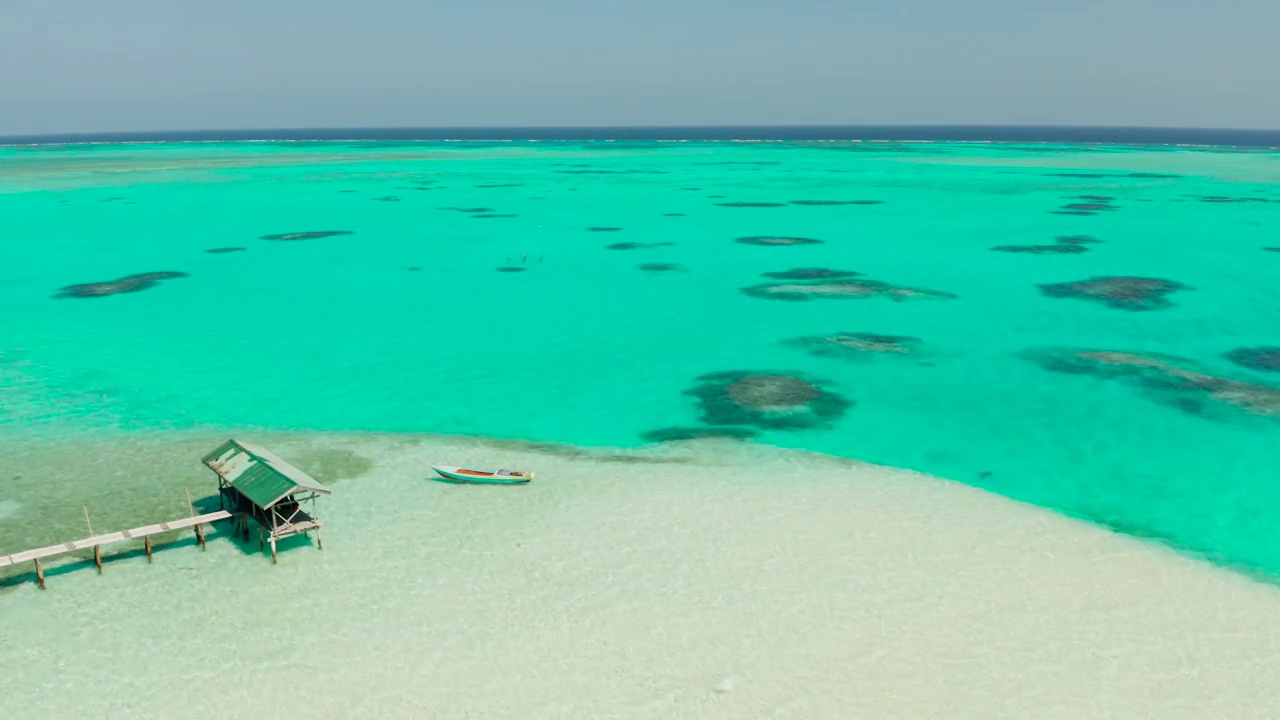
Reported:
(480, 477)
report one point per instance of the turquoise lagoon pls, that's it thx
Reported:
(407, 325)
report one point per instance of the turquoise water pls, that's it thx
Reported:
(406, 324)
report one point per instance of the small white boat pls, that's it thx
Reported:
(484, 477)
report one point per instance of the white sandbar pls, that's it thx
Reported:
(738, 582)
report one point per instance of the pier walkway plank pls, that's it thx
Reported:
(97, 540)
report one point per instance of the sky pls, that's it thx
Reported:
(145, 65)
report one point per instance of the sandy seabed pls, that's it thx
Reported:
(703, 580)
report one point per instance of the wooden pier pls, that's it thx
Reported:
(253, 483)
(97, 541)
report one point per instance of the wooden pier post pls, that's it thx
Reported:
(262, 540)
(38, 555)
(273, 551)
(200, 536)
(319, 545)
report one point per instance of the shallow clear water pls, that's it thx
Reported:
(406, 324)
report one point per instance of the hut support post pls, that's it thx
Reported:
(319, 545)
(39, 574)
(200, 536)
(273, 550)
(97, 557)
(147, 545)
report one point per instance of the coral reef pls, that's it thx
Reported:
(126, 284)
(800, 291)
(1256, 358)
(675, 434)
(771, 401)
(857, 346)
(637, 245)
(1122, 293)
(811, 273)
(776, 240)
(311, 235)
(1166, 379)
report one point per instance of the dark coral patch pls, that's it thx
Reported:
(776, 240)
(751, 204)
(126, 284)
(1121, 293)
(800, 291)
(1042, 249)
(1076, 240)
(836, 202)
(672, 214)
(857, 346)
(1095, 204)
(387, 198)
(771, 401)
(509, 269)
(811, 273)
(1099, 176)
(313, 235)
(220, 251)
(612, 172)
(603, 229)
(658, 267)
(475, 210)
(1256, 358)
(676, 434)
(637, 245)
(1272, 249)
(483, 216)
(501, 185)
(741, 162)
(1225, 199)
(1169, 380)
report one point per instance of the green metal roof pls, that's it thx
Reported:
(259, 474)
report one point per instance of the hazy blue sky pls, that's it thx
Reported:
(107, 65)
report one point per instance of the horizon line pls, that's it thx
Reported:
(1139, 134)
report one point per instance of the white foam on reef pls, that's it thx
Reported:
(717, 581)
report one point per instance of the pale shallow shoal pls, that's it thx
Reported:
(735, 582)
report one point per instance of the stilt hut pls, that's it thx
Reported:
(255, 483)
